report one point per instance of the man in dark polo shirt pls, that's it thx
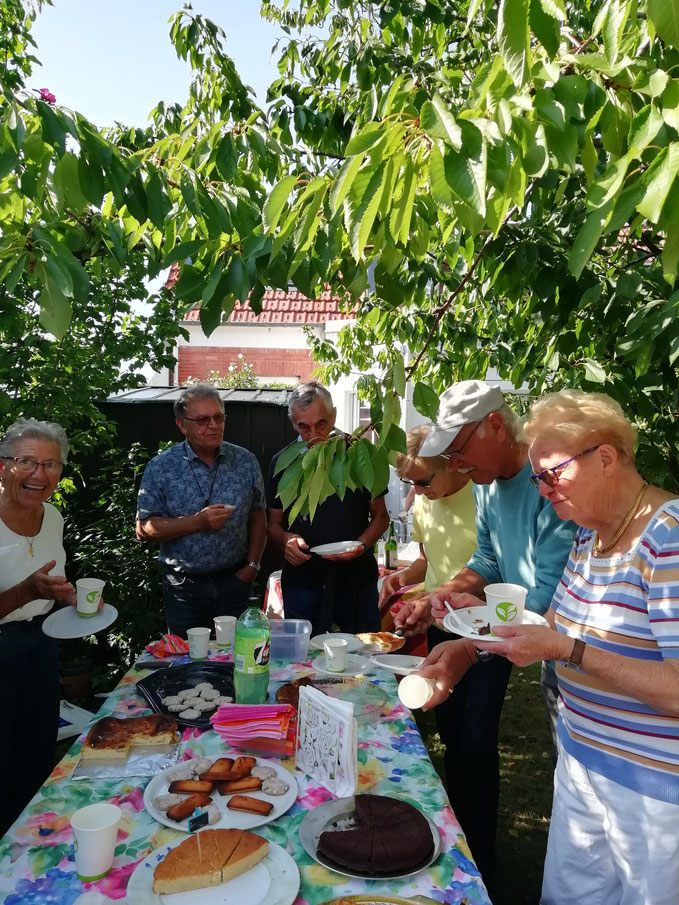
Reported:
(338, 590)
(203, 502)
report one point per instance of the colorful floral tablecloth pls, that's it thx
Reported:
(36, 856)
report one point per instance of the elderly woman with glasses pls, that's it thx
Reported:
(614, 631)
(32, 560)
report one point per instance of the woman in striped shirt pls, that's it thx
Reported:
(614, 632)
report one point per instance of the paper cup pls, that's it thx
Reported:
(414, 691)
(505, 603)
(225, 629)
(89, 591)
(198, 642)
(95, 830)
(335, 654)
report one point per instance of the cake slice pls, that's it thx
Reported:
(250, 850)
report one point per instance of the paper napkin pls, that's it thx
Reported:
(326, 741)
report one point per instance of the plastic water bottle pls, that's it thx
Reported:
(251, 648)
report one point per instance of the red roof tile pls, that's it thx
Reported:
(284, 307)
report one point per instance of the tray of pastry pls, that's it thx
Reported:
(191, 693)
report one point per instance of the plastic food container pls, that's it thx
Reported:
(290, 639)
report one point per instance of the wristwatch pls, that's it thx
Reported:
(255, 565)
(483, 656)
(575, 659)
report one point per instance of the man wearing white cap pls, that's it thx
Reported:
(521, 541)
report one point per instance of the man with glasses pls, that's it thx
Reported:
(520, 540)
(334, 589)
(203, 502)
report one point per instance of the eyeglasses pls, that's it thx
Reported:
(457, 453)
(426, 483)
(27, 464)
(551, 475)
(204, 420)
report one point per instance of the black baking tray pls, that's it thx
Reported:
(165, 682)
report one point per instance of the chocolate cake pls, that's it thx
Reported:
(388, 837)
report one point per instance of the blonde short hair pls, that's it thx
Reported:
(414, 440)
(582, 420)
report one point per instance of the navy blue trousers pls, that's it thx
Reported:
(29, 679)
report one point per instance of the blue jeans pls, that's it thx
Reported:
(29, 679)
(194, 600)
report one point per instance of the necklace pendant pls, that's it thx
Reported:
(30, 549)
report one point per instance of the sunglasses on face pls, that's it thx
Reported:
(204, 420)
(551, 475)
(423, 484)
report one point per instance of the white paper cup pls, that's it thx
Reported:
(95, 830)
(414, 691)
(225, 630)
(335, 654)
(198, 642)
(89, 591)
(505, 603)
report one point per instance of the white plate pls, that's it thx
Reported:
(65, 622)
(460, 623)
(355, 666)
(316, 820)
(399, 664)
(353, 644)
(239, 820)
(341, 546)
(274, 881)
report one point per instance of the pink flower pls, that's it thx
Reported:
(47, 95)
(45, 829)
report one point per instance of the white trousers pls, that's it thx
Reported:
(608, 845)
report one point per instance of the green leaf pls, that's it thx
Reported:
(361, 206)
(402, 211)
(67, 182)
(594, 371)
(288, 455)
(159, 204)
(645, 126)
(52, 130)
(588, 237)
(466, 170)
(343, 181)
(183, 251)
(425, 400)
(514, 39)
(275, 203)
(365, 139)
(438, 122)
(399, 375)
(664, 14)
(363, 467)
(380, 464)
(658, 180)
(441, 193)
(226, 160)
(545, 27)
(91, 180)
(55, 310)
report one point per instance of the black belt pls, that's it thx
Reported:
(228, 572)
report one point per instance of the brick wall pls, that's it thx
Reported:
(198, 361)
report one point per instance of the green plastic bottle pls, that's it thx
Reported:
(251, 648)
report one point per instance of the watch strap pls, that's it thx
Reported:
(255, 565)
(575, 658)
(483, 656)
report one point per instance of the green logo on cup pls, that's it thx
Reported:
(92, 596)
(506, 611)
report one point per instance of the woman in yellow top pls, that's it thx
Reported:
(443, 520)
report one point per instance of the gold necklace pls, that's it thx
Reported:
(600, 548)
(29, 540)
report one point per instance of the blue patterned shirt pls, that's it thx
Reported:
(177, 483)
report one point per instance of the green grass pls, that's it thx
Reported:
(525, 787)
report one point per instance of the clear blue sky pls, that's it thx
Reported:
(113, 60)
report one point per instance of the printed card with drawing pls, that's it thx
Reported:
(326, 741)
